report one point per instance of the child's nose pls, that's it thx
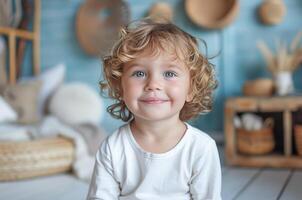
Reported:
(153, 83)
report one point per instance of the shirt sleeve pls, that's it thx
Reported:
(103, 184)
(205, 183)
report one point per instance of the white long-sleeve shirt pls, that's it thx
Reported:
(123, 170)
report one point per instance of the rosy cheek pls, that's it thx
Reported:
(175, 89)
(176, 83)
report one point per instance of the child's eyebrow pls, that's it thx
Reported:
(177, 66)
(133, 64)
(137, 62)
(174, 66)
(167, 65)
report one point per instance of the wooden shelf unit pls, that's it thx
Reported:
(285, 105)
(34, 36)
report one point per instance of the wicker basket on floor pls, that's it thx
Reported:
(26, 159)
(256, 142)
(298, 138)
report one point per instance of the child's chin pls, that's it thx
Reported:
(156, 115)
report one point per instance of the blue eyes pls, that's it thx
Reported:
(141, 74)
(169, 74)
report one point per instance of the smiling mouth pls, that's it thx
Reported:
(154, 101)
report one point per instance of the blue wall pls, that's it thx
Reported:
(239, 59)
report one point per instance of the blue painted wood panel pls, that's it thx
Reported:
(238, 61)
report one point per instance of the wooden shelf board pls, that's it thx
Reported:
(275, 161)
(267, 104)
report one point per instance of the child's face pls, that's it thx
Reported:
(155, 87)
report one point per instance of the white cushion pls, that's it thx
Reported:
(7, 113)
(10, 132)
(51, 80)
(76, 103)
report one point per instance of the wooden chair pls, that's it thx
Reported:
(34, 36)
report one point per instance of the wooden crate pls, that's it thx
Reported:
(286, 105)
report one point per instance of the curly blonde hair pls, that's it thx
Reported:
(156, 37)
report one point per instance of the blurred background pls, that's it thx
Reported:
(237, 57)
(50, 67)
(234, 46)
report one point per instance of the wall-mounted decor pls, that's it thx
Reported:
(283, 63)
(212, 14)
(98, 24)
(161, 12)
(272, 12)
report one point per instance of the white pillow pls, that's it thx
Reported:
(10, 132)
(51, 80)
(7, 113)
(76, 103)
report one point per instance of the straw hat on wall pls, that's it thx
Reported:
(212, 14)
(161, 12)
(272, 12)
(98, 24)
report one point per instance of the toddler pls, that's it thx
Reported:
(159, 80)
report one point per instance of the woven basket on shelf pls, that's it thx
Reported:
(298, 138)
(262, 87)
(26, 159)
(256, 142)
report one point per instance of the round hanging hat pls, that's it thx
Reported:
(212, 14)
(272, 12)
(161, 12)
(98, 24)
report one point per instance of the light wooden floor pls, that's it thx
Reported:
(237, 184)
(259, 183)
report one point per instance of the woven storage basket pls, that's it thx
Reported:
(19, 160)
(298, 139)
(256, 142)
(259, 87)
